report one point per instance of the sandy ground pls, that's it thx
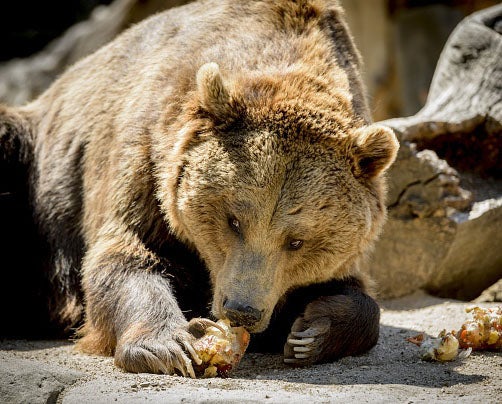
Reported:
(391, 372)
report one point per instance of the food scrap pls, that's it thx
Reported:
(220, 349)
(483, 332)
(443, 348)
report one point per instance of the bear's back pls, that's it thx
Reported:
(131, 79)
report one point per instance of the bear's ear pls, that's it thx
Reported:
(374, 149)
(214, 97)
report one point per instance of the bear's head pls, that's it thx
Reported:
(278, 185)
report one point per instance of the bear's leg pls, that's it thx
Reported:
(333, 326)
(131, 310)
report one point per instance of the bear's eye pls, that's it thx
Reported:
(295, 244)
(235, 225)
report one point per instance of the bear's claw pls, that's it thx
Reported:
(305, 347)
(305, 341)
(309, 332)
(301, 349)
(147, 353)
(195, 356)
(197, 326)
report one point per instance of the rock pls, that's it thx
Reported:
(445, 196)
(21, 80)
(419, 33)
(31, 381)
(466, 87)
(492, 294)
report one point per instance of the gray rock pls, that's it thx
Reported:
(466, 89)
(420, 33)
(492, 294)
(31, 381)
(21, 80)
(443, 232)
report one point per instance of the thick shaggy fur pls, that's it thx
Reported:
(171, 171)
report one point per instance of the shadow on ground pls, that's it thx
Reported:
(392, 361)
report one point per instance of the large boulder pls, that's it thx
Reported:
(445, 202)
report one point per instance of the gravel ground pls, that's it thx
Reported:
(51, 371)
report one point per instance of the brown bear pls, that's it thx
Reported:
(215, 160)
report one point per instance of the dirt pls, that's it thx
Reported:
(392, 371)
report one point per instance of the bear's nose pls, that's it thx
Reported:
(240, 314)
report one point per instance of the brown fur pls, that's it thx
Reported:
(143, 152)
(336, 318)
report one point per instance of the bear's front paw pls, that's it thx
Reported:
(149, 353)
(332, 327)
(307, 342)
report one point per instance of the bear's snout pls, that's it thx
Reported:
(241, 314)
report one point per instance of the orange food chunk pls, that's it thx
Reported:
(220, 349)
